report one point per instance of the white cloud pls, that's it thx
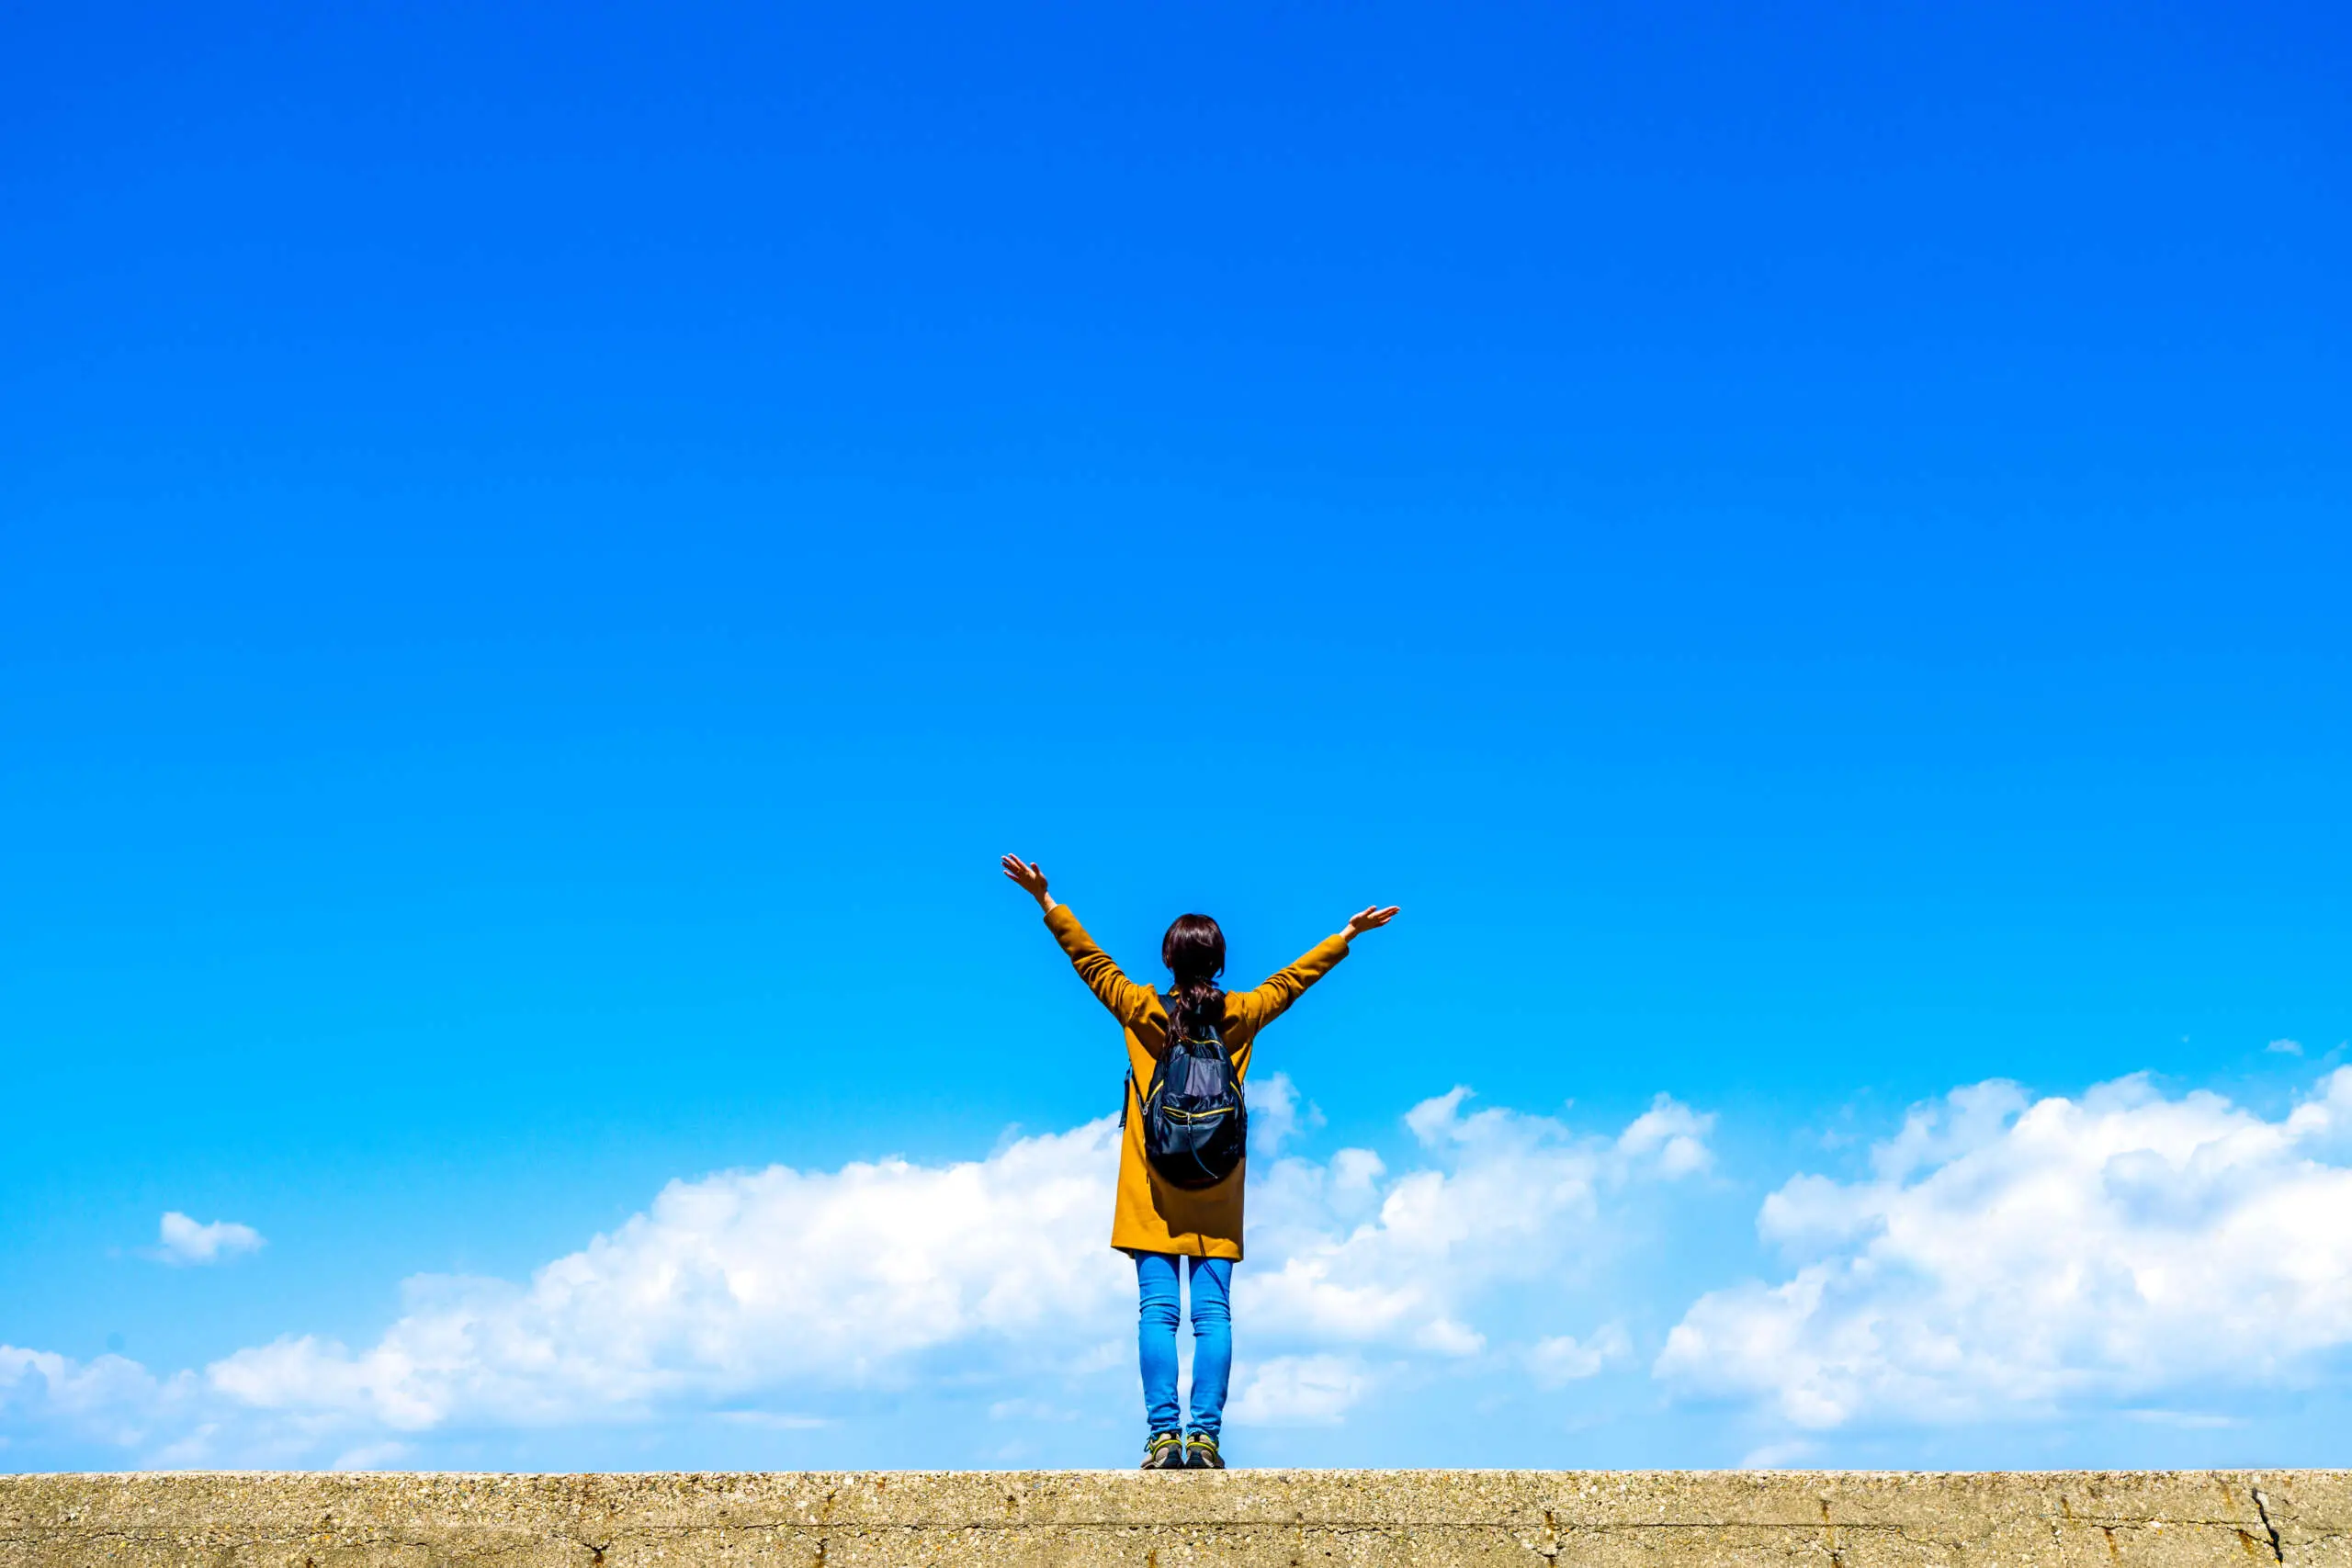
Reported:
(2285, 1048)
(774, 1420)
(749, 1291)
(1355, 1176)
(1674, 1132)
(184, 1241)
(1563, 1358)
(1299, 1391)
(1275, 1116)
(1508, 1199)
(741, 1282)
(2009, 1258)
(111, 1398)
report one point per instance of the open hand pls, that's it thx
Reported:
(1032, 880)
(1370, 918)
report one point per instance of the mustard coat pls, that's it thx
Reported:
(1149, 1216)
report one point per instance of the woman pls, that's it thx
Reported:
(1166, 1228)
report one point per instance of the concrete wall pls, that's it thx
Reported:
(1277, 1518)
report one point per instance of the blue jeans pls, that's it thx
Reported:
(1156, 1274)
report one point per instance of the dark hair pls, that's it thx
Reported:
(1193, 950)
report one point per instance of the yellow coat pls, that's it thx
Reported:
(1151, 1216)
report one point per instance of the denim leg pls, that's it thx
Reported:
(1212, 1341)
(1155, 1339)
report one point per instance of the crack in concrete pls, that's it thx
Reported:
(2262, 1506)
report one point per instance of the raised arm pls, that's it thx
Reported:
(1267, 1002)
(1129, 1000)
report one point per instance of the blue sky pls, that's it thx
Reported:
(542, 557)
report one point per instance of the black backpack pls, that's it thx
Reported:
(1194, 1124)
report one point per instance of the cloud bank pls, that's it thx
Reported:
(2010, 1257)
(1999, 1258)
(780, 1284)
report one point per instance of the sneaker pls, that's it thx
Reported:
(1200, 1453)
(1165, 1451)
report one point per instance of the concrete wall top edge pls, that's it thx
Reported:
(2257, 1503)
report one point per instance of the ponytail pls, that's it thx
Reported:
(1193, 950)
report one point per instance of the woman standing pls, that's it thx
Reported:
(1166, 1228)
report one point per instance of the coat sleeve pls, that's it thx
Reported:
(1267, 1002)
(1135, 1006)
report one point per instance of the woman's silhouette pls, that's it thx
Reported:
(1157, 1224)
